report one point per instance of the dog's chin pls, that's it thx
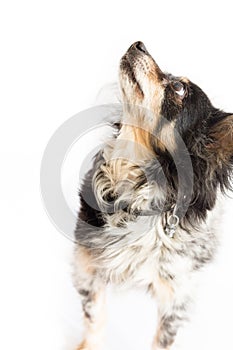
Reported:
(130, 87)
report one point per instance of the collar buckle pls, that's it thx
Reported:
(172, 223)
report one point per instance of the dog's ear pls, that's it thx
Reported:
(221, 136)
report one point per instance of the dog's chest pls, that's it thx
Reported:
(144, 254)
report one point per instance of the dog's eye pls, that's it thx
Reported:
(179, 88)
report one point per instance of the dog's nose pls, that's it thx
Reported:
(140, 46)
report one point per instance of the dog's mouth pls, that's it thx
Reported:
(136, 66)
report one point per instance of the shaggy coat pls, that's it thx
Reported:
(149, 203)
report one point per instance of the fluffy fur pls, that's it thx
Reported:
(137, 181)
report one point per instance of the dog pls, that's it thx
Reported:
(150, 201)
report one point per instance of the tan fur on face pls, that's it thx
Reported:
(158, 99)
(166, 138)
(184, 80)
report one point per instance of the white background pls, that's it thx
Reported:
(55, 57)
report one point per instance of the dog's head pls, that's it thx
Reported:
(164, 109)
(160, 103)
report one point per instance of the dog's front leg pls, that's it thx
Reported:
(172, 314)
(169, 323)
(94, 320)
(92, 293)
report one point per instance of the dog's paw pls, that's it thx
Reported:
(87, 346)
(83, 346)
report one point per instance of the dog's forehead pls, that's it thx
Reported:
(171, 78)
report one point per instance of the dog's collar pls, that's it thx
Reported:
(172, 219)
